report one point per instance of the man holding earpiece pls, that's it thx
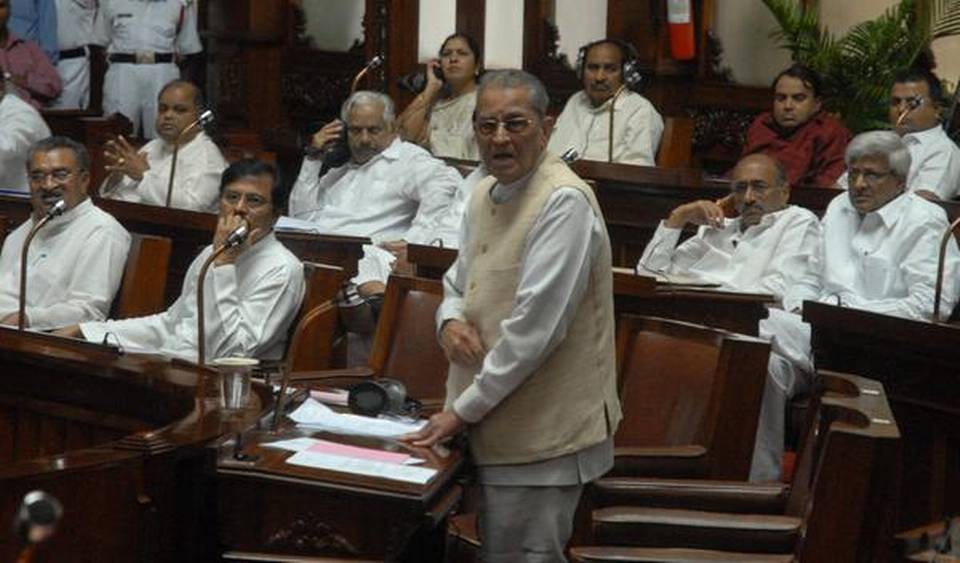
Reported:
(143, 176)
(584, 125)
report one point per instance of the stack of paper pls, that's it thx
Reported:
(331, 456)
(312, 414)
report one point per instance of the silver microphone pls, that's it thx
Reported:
(237, 236)
(913, 103)
(57, 208)
(570, 155)
(38, 516)
(206, 118)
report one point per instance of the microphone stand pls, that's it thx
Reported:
(613, 102)
(375, 62)
(55, 210)
(944, 241)
(234, 238)
(912, 104)
(205, 118)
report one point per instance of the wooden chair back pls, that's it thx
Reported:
(847, 494)
(686, 384)
(144, 277)
(4, 228)
(319, 342)
(405, 343)
(676, 143)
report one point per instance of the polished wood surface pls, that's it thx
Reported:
(119, 439)
(270, 507)
(917, 363)
(141, 291)
(642, 295)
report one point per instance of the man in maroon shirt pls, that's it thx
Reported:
(808, 142)
(24, 67)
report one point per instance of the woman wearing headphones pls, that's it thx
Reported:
(441, 117)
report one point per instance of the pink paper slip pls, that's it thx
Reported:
(369, 454)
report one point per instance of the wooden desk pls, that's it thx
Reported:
(273, 508)
(918, 364)
(120, 440)
(190, 231)
(642, 295)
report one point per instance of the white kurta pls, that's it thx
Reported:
(200, 165)
(934, 164)
(398, 194)
(554, 272)
(74, 29)
(450, 132)
(249, 307)
(585, 128)
(130, 26)
(21, 125)
(768, 257)
(74, 267)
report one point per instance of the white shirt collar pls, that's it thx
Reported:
(925, 136)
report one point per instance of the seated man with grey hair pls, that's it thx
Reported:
(76, 261)
(879, 253)
(388, 190)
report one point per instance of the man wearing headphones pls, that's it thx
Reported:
(607, 69)
(143, 176)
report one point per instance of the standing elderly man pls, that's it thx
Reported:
(252, 292)
(798, 133)
(389, 190)
(527, 323)
(21, 125)
(584, 125)
(878, 253)
(76, 262)
(143, 176)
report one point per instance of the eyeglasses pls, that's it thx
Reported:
(59, 175)
(759, 187)
(254, 201)
(514, 125)
(869, 176)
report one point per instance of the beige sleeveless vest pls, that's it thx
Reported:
(569, 402)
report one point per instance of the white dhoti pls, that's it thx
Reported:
(789, 373)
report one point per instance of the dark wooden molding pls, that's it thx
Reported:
(402, 47)
(471, 19)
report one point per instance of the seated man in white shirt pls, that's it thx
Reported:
(916, 105)
(584, 126)
(767, 248)
(770, 248)
(251, 294)
(21, 125)
(75, 262)
(144, 176)
(389, 190)
(879, 253)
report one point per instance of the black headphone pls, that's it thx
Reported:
(382, 396)
(630, 70)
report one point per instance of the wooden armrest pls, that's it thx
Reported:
(692, 494)
(604, 554)
(663, 527)
(333, 376)
(667, 461)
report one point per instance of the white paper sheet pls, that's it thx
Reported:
(313, 414)
(392, 471)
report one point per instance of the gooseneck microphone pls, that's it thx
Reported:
(206, 118)
(374, 63)
(913, 103)
(613, 102)
(235, 238)
(36, 521)
(54, 210)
